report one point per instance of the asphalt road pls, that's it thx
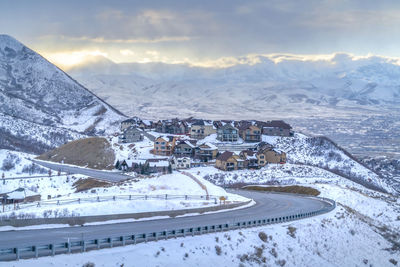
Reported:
(103, 175)
(268, 205)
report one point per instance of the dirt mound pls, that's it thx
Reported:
(294, 189)
(87, 184)
(93, 152)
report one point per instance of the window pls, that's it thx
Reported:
(262, 162)
(262, 156)
(157, 143)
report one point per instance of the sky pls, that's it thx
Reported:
(204, 33)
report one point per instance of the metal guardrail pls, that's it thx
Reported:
(59, 202)
(34, 251)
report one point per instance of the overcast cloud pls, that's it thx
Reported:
(194, 31)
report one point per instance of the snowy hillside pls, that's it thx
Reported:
(276, 86)
(365, 221)
(323, 153)
(36, 95)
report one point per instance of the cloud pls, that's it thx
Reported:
(127, 52)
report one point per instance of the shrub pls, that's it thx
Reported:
(292, 231)
(263, 236)
(218, 250)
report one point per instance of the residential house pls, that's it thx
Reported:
(161, 165)
(270, 156)
(250, 133)
(206, 152)
(200, 129)
(19, 195)
(181, 162)
(173, 126)
(128, 123)
(228, 161)
(276, 128)
(227, 133)
(164, 145)
(131, 135)
(145, 124)
(185, 148)
(250, 157)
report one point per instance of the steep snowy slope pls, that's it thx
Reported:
(41, 106)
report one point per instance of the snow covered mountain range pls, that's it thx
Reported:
(274, 86)
(41, 106)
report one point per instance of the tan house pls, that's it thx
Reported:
(206, 152)
(228, 161)
(250, 133)
(201, 129)
(164, 145)
(271, 156)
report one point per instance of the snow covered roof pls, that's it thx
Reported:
(210, 146)
(20, 193)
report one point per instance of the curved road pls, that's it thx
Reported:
(268, 205)
(103, 175)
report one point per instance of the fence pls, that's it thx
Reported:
(34, 251)
(59, 202)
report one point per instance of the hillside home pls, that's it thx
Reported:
(276, 128)
(206, 152)
(19, 195)
(250, 158)
(131, 135)
(227, 133)
(185, 148)
(181, 162)
(173, 126)
(250, 133)
(164, 145)
(128, 123)
(228, 161)
(162, 165)
(145, 124)
(270, 156)
(200, 129)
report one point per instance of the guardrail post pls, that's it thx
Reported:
(166, 196)
(156, 236)
(130, 197)
(16, 253)
(35, 249)
(166, 234)
(134, 239)
(111, 242)
(145, 197)
(53, 250)
(97, 242)
(186, 197)
(68, 247)
(145, 238)
(123, 240)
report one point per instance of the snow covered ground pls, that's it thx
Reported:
(361, 231)
(62, 188)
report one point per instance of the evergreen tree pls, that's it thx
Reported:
(117, 165)
(169, 168)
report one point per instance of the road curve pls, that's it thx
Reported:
(268, 205)
(103, 175)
